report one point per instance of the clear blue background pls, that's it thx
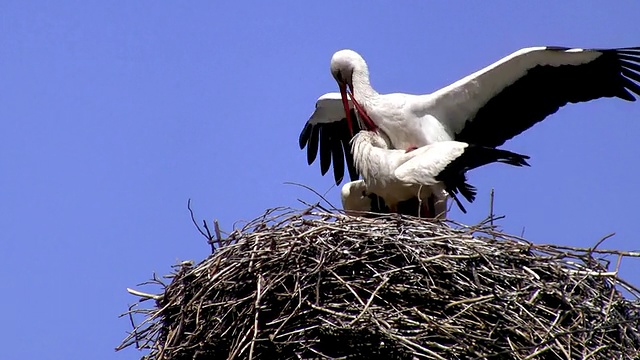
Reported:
(113, 114)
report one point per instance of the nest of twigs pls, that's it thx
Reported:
(313, 284)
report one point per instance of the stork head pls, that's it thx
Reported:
(343, 65)
(374, 138)
(355, 197)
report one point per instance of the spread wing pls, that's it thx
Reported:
(511, 95)
(327, 132)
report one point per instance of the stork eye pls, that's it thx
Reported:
(339, 76)
(364, 194)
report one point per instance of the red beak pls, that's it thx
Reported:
(345, 103)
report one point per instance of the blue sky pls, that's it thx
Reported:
(114, 114)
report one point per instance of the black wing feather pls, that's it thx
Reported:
(332, 141)
(544, 89)
(631, 74)
(346, 145)
(337, 156)
(628, 62)
(325, 150)
(313, 145)
(305, 134)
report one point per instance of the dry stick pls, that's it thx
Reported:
(491, 209)
(591, 250)
(255, 319)
(193, 219)
(135, 330)
(329, 311)
(208, 233)
(216, 229)
(159, 281)
(295, 331)
(564, 351)
(535, 354)
(275, 333)
(595, 351)
(420, 202)
(209, 237)
(474, 300)
(422, 348)
(313, 191)
(253, 253)
(373, 295)
(315, 205)
(144, 295)
(237, 350)
(601, 241)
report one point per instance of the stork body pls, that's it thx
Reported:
(377, 163)
(357, 200)
(435, 170)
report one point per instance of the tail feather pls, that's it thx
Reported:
(455, 198)
(476, 156)
(468, 191)
(511, 158)
(455, 180)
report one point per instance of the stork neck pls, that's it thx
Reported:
(361, 84)
(372, 162)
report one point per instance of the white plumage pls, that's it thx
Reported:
(356, 198)
(329, 109)
(379, 166)
(485, 108)
(431, 171)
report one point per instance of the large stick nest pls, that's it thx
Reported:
(313, 284)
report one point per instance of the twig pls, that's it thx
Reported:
(491, 213)
(591, 249)
(373, 295)
(193, 219)
(216, 228)
(143, 295)
(313, 191)
(255, 319)
(466, 301)
(209, 237)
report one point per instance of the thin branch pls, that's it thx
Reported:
(193, 219)
(322, 197)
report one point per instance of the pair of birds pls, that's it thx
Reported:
(413, 151)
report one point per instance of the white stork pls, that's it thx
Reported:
(485, 108)
(357, 200)
(429, 172)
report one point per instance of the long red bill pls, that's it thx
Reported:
(345, 103)
(368, 123)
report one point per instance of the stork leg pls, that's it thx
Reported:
(424, 211)
(439, 207)
(432, 206)
(393, 208)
